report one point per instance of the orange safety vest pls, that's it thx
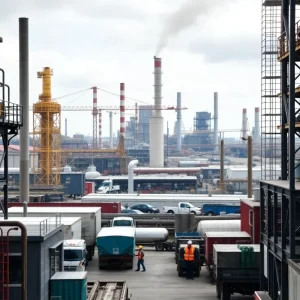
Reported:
(140, 255)
(189, 253)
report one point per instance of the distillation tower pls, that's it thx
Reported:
(46, 134)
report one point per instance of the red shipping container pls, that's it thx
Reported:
(230, 237)
(261, 296)
(250, 219)
(89, 188)
(106, 207)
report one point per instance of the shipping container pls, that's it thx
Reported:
(212, 238)
(294, 279)
(250, 218)
(74, 183)
(261, 296)
(69, 286)
(106, 207)
(89, 187)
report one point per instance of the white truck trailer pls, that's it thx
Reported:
(90, 220)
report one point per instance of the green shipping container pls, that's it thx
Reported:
(68, 286)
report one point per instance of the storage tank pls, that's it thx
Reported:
(218, 225)
(91, 173)
(151, 235)
(67, 169)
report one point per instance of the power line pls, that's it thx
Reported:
(72, 94)
(118, 95)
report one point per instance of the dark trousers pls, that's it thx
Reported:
(189, 269)
(141, 263)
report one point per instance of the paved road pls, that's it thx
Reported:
(160, 281)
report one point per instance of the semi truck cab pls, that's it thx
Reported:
(107, 187)
(122, 221)
(75, 255)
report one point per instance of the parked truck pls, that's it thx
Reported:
(230, 237)
(183, 238)
(157, 237)
(75, 255)
(90, 220)
(217, 209)
(107, 187)
(183, 208)
(116, 245)
(236, 269)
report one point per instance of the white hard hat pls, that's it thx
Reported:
(190, 242)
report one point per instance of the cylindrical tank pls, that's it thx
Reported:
(91, 173)
(218, 226)
(151, 235)
(67, 169)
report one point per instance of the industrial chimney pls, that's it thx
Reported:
(156, 121)
(216, 129)
(178, 123)
(256, 126)
(244, 129)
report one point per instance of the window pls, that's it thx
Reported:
(73, 255)
(15, 269)
(122, 223)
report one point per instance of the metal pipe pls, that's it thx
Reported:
(111, 130)
(256, 125)
(24, 102)
(178, 133)
(122, 116)
(66, 127)
(244, 126)
(216, 121)
(131, 166)
(24, 253)
(222, 186)
(249, 166)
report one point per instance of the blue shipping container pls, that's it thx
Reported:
(74, 183)
(69, 285)
(187, 234)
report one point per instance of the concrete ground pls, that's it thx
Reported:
(160, 281)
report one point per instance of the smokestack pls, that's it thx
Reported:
(122, 115)
(111, 130)
(100, 128)
(136, 125)
(216, 117)
(244, 130)
(256, 125)
(24, 101)
(66, 127)
(178, 133)
(156, 122)
(95, 114)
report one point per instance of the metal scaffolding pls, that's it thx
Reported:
(270, 88)
(280, 199)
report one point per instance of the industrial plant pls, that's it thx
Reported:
(206, 212)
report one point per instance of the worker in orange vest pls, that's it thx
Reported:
(189, 257)
(140, 262)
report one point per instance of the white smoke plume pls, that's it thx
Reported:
(185, 17)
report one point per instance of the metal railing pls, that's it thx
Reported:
(50, 224)
(283, 45)
(11, 114)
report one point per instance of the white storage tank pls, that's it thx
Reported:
(91, 173)
(218, 226)
(150, 235)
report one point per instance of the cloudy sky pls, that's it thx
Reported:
(206, 47)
